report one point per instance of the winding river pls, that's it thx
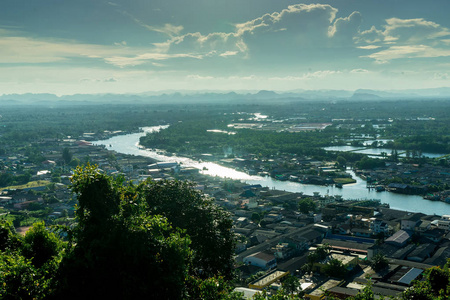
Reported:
(129, 144)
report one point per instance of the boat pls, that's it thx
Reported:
(338, 185)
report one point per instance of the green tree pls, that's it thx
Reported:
(291, 285)
(306, 205)
(342, 162)
(119, 249)
(66, 155)
(208, 225)
(439, 280)
(370, 163)
(40, 245)
(419, 291)
(19, 279)
(142, 241)
(75, 162)
(9, 240)
(256, 218)
(211, 289)
(322, 251)
(335, 268)
(379, 262)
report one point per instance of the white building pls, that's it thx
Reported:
(261, 259)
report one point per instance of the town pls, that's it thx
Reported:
(331, 244)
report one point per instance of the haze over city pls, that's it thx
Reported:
(68, 47)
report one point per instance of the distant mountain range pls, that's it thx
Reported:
(203, 96)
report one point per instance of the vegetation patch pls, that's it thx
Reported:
(31, 184)
(344, 180)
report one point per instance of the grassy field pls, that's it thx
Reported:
(344, 180)
(30, 184)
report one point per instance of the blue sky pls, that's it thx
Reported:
(133, 46)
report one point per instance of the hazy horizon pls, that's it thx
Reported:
(124, 47)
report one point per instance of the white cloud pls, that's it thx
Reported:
(359, 71)
(371, 36)
(123, 61)
(228, 53)
(91, 80)
(405, 31)
(298, 26)
(321, 74)
(26, 50)
(199, 77)
(413, 30)
(19, 49)
(298, 17)
(169, 29)
(412, 51)
(441, 76)
(203, 44)
(347, 28)
(369, 47)
(406, 38)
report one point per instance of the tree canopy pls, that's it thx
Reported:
(156, 239)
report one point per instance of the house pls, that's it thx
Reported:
(273, 217)
(410, 221)
(247, 194)
(423, 226)
(379, 226)
(343, 292)
(446, 217)
(442, 224)
(349, 261)
(263, 260)
(344, 228)
(435, 235)
(283, 251)
(362, 232)
(240, 247)
(391, 251)
(163, 165)
(421, 253)
(440, 257)
(250, 203)
(405, 275)
(267, 280)
(399, 239)
(319, 292)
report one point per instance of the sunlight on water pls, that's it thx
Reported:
(129, 144)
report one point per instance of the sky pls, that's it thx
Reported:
(135, 46)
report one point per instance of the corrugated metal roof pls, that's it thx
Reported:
(410, 276)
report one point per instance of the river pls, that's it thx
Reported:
(129, 144)
(378, 151)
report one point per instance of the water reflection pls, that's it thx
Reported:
(129, 144)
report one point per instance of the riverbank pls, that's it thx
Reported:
(128, 144)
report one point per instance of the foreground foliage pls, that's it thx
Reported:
(130, 242)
